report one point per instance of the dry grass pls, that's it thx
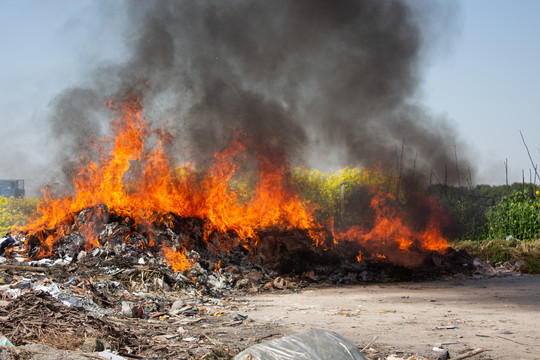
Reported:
(496, 251)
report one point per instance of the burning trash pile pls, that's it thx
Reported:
(131, 205)
(141, 238)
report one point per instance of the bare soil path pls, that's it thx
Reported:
(501, 315)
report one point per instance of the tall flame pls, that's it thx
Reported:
(159, 188)
(135, 179)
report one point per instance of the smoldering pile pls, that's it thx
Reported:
(282, 258)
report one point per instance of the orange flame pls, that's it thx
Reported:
(391, 237)
(157, 188)
(177, 259)
(142, 185)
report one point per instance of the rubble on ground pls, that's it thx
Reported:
(122, 298)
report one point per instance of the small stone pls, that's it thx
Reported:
(253, 290)
(255, 276)
(243, 283)
(177, 305)
(92, 345)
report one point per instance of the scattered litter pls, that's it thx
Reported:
(446, 327)
(505, 269)
(123, 300)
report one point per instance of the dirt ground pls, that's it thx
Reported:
(498, 314)
(501, 315)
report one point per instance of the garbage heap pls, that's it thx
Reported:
(125, 296)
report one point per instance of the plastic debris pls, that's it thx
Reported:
(444, 356)
(6, 242)
(189, 339)
(110, 356)
(312, 345)
(5, 342)
(447, 327)
(131, 309)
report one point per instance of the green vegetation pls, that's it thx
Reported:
(15, 211)
(518, 216)
(492, 212)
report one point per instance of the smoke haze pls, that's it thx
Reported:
(325, 82)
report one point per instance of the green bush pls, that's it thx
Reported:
(518, 215)
(15, 211)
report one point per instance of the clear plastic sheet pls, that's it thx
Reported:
(311, 345)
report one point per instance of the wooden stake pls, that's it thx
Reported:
(528, 153)
(506, 169)
(469, 354)
(369, 343)
(457, 172)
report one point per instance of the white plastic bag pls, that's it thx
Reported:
(311, 345)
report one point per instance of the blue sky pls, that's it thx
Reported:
(485, 78)
(488, 84)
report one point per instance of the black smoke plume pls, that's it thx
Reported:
(319, 80)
